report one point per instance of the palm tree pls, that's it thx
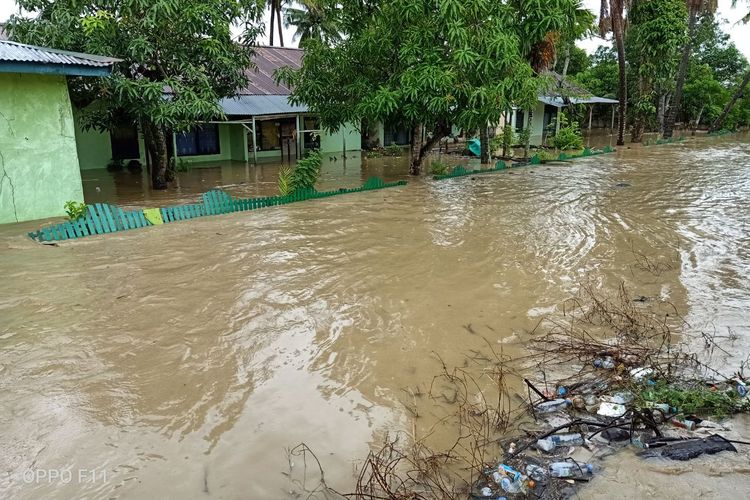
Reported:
(276, 6)
(695, 8)
(719, 122)
(314, 21)
(612, 18)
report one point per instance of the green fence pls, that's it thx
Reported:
(461, 171)
(101, 218)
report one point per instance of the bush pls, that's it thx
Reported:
(394, 150)
(302, 176)
(74, 209)
(569, 136)
(507, 139)
(439, 168)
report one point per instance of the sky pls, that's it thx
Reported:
(739, 33)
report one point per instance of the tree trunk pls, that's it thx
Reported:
(566, 63)
(728, 108)
(273, 18)
(687, 50)
(527, 143)
(484, 141)
(698, 119)
(617, 30)
(661, 111)
(419, 150)
(156, 144)
(639, 123)
(278, 22)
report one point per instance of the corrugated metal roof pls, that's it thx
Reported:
(19, 52)
(558, 102)
(259, 105)
(267, 61)
(3, 34)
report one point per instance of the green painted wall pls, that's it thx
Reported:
(95, 148)
(238, 138)
(331, 143)
(38, 158)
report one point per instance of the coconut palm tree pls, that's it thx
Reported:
(314, 20)
(612, 18)
(276, 7)
(695, 8)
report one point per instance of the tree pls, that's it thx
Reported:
(694, 7)
(612, 18)
(182, 48)
(422, 63)
(276, 7)
(313, 20)
(655, 36)
(703, 95)
(738, 93)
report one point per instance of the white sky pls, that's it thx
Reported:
(739, 33)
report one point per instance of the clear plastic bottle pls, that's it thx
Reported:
(552, 406)
(569, 469)
(511, 486)
(536, 473)
(572, 439)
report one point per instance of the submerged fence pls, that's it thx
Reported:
(102, 218)
(461, 171)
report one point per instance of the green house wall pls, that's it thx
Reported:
(39, 169)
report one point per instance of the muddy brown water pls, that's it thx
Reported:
(181, 361)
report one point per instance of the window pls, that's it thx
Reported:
(395, 134)
(312, 139)
(520, 121)
(202, 140)
(124, 141)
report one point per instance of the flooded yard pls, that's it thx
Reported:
(182, 361)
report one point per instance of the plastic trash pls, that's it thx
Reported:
(621, 398)
(551, 442)
(486, 492)
(562, 391)
(552, 406)
(606, 363)
(509, 471)
(536, 473)
(611, 409)
(684, 423)
(569, 469)
(511, 486)
(640, 373)
(687, 449)
(592, 403)
(741, 389)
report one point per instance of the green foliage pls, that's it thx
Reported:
(700, 400)
(179, 165)
(286, 180)
(546, 155)
(303, 176)
(439, 168)
(75, 210)
(314, 21)
(524, 135)
(393, 150)
(424, 62)
(569, 136)
(185, 45)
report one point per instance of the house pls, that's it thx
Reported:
(260, 124)
(559, 94)
(39, 169)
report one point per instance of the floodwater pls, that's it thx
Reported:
(182, 361)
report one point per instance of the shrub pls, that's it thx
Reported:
(74, 209)
(439, 168)
(304, 175)
(394, 150)
(569, 136)
(507, 139)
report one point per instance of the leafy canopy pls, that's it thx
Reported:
(181, 45)
(460, 62)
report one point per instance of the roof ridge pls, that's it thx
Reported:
(80, 55)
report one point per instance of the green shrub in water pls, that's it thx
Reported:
(569, 136)
(74, 209)
(700, 400)
(439, 168)
(304, 175)
(394, 150)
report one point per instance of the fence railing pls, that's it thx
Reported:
(102, 218)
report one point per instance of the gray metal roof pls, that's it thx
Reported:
(19, 52)
(558, 102)
(259, 105)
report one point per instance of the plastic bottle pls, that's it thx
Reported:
(536, 473)
(552, 406)
(569, 469)
(551, 442)
(606, 363)
(741, 389)
(511, 486)
(509, 471)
